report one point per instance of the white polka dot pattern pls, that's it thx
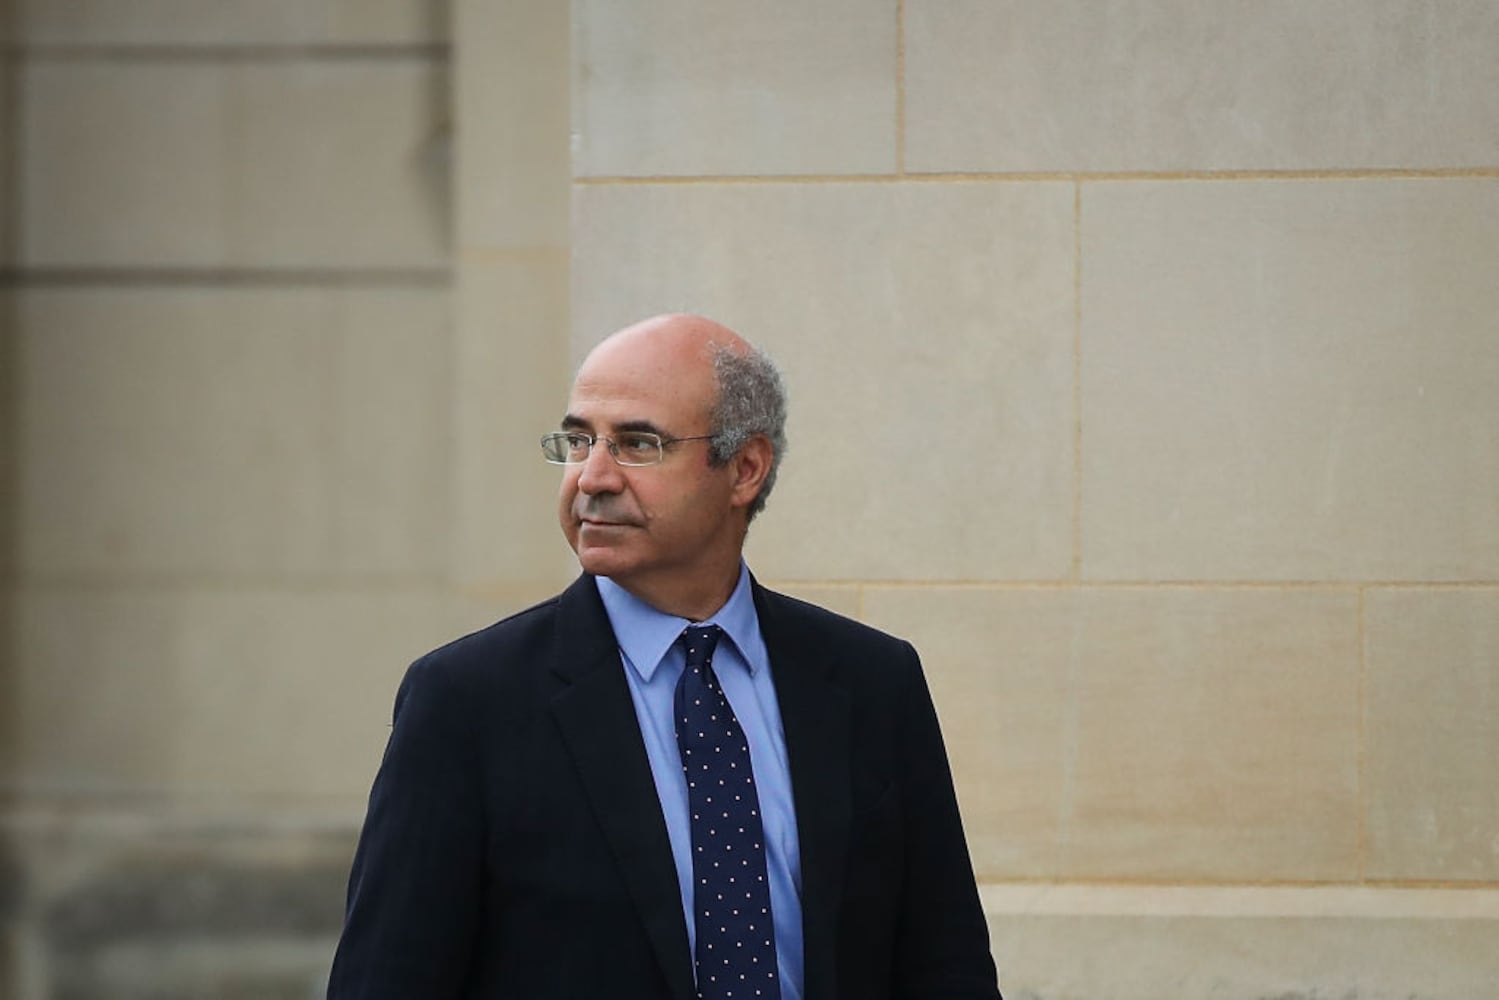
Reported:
(736, 955)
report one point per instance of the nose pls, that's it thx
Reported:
(600, 473)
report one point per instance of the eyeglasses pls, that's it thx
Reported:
(626, 447)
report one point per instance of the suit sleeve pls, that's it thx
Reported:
(942, 939)
(414, 892)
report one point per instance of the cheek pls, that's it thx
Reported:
(566, 494)
(696, 507)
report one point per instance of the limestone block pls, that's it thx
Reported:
(926, 334)
(1290, 380)
(131, 905)
(8, 209)
(339, 163)
(514, 169)
(159, 194)
(10, 350)
(512, 378)
(257, 163)
(843, 600)
(90, 693)
(1038, 85)
(1146, 943)
(219, 696)
(778, 87)
(132, 23)
(232, 432)
(289, 695)
(1145, 733)
(1433, 731)
(380, 22)
(391, 397)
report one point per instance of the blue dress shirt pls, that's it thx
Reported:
(654, 661)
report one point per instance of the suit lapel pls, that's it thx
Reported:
(597, 719)
(815, 713)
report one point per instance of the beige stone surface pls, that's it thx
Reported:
(1145, 733)
(513, 186)
(926, 334)
(512, 384)
(218, 696)
(1287, 956)
(216, 432)
(90, 693)
(843, 600)
(290, 695)
(10, 472)
(9, 212)
(779, 87)
(378, 22)
(1177, 85)
(1290, 380)
(334, 163)
(131, 23)
(1433, 732)
(338, 162)
(389, 399)
(159, 196)
(514, 173)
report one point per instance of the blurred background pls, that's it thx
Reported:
(1144, 361)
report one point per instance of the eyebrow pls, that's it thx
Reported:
(640, 425)
(573, 422)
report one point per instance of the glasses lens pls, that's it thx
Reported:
(637, 448)
(565, 448)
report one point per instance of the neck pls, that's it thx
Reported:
(696, 600)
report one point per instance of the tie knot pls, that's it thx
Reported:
(700, 641)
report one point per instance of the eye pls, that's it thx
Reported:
(637, 443)
(578, 443)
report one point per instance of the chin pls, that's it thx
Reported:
(602, 561)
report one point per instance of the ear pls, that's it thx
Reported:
(749, 467)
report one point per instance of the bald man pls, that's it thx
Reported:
(666, 782)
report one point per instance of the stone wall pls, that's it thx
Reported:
(228, 370)
(1144, 369)
(1145, 373)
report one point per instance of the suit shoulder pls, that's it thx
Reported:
(515, 638)
(822, 626)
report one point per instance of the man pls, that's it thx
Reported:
(666, 782)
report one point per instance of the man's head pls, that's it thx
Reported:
(675, 528)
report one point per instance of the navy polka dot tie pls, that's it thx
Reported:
(736, 952)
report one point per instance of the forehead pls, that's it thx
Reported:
(623, 385)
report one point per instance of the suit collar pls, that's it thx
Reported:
(594, 712)
(816, 716)
(584, 641)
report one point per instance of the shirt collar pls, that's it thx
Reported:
(646, 635)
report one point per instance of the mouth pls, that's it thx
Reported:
(593, 522)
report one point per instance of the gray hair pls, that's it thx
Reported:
(751, 400)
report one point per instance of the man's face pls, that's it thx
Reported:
(669, 524)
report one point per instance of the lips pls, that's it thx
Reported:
(596, 522)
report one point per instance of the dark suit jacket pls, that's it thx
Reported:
(515, 848)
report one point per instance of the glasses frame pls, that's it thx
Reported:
(662, 443)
